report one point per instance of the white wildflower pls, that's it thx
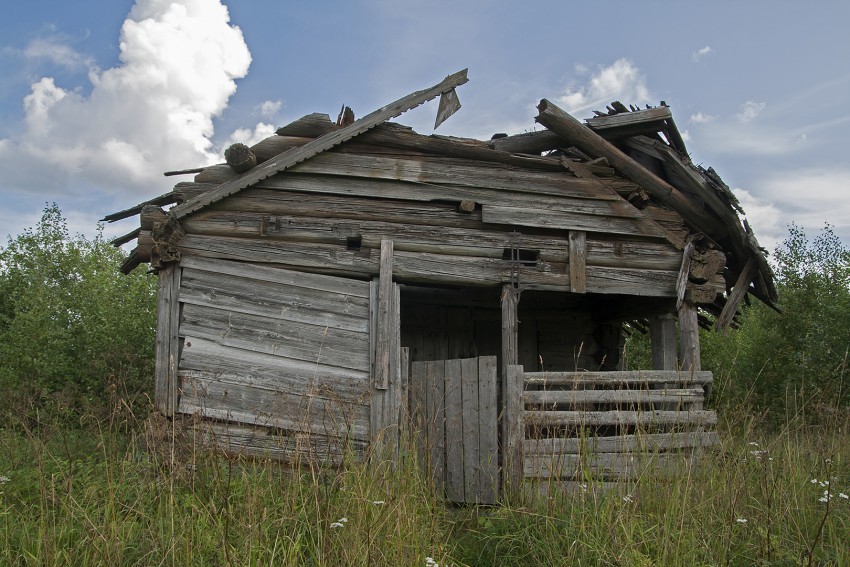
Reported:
(753, 444)
(844, 496)
(339, 523)
(429, 562)
(628, 498)
(814, 481)
(741, 520)
(4, 479)
(378, 502)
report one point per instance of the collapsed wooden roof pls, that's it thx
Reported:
(637, 153)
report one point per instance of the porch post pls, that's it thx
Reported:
(689, 337)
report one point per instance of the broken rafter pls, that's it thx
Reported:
(576, 133)
(319, 145)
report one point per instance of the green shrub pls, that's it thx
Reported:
(73, 329)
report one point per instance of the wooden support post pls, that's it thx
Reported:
(510, 327)
(662, 337)
(513, 430)
(166, 388)
(578, 261)
(385, 312)
(689, 337)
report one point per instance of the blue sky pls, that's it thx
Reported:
(98, 98)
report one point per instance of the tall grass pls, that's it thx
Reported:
(90, 495)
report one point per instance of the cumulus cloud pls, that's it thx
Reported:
(56, 50)
(621, 80)
(749, 110)
(701, 118)
(700, 53)
(250, 137)
(152, 112)
(269, 109)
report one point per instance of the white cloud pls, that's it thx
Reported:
(749, 110)
(701, 118)
(58, 52)
(807, 197)
(621, 81)
(269, 109)
(151, 113)
(250, 137)
(700, 53)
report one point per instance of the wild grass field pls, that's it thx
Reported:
(93, 495)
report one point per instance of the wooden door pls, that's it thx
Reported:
(454, 411)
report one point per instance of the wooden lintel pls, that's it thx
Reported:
(578, 261)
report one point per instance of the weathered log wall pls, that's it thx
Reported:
(283, 350)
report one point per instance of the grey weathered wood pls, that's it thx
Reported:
(638, 377)
(513, 430)
(689, 349)
(578, 261)
(419, 413)
(166, 387)
(672, 396)
(684, 270)
(488, 450)
(392, 395)
(608, 465)
(646, 442)
(624, 124)
(279, 337)
(510, 327)
(318, 145)
(265, 443)
(386, 326)
(662, 336)
(575, 133)
(436, 421)
(449, 104)
(528, 142)
(455, 429)
(233, 397)
(554, 219)
(276, 275)
(615, 417)
(309, 126)
(471, 435)
(453, 177)
(739, 291)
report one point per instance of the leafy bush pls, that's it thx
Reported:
(72, 327)
(802, 354)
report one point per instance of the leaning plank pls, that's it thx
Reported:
(617, 377)
(639, 418)
(672, 395)
(318, 145)
(742, 285)
(622, 443)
